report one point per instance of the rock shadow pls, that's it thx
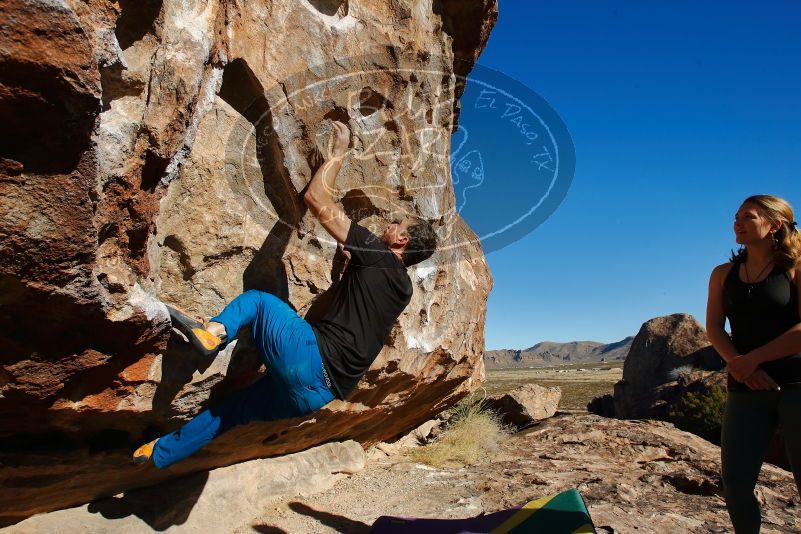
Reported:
(266, 272)
(337, 522)
(180, 362)
(268, 529)
(319, 306)
(244, 93)
(161, 507)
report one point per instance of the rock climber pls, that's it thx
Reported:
(308, 365)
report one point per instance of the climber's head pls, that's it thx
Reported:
(412, 238)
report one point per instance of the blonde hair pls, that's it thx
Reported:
(788, 237)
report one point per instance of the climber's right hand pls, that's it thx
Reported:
(341, 135)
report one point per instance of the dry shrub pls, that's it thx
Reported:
(681, 374)
(472, 435)
(700, 413)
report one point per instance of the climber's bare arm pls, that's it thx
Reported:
(319, 195)
(329, 214)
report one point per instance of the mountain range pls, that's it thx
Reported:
(551, 353)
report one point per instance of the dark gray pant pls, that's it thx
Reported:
(749, 423)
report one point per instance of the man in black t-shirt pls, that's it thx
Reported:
(307, 365)
(372, 293)
(375, 287)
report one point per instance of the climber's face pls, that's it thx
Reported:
(396, 235)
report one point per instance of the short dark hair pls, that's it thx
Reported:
(422, 243)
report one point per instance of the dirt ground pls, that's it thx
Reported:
(634, 476)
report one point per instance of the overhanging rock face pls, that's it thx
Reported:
(157, 151)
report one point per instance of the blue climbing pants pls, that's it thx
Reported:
(293, 386)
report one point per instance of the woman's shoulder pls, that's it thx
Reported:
(721, 273)
(723, 269)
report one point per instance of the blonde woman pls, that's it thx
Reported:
(759, 292)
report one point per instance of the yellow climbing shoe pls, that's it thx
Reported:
(206, 338)
(144, 453)
(201, 339)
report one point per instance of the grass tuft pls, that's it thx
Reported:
(473, 434)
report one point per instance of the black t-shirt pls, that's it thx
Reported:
(372, 293)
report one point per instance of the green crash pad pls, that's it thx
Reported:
(562, 513)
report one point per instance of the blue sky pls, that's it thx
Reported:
(677, 112)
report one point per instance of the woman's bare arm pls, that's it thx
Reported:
(716, 316)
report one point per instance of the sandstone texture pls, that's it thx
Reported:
(156, 151)
(526, 404)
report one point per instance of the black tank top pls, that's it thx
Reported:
(759, 313)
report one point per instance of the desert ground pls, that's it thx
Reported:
(580, 383)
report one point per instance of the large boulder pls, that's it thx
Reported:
(664, 349)
(157, 151)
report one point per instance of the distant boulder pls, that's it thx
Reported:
(526, 404)
(664, 348)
